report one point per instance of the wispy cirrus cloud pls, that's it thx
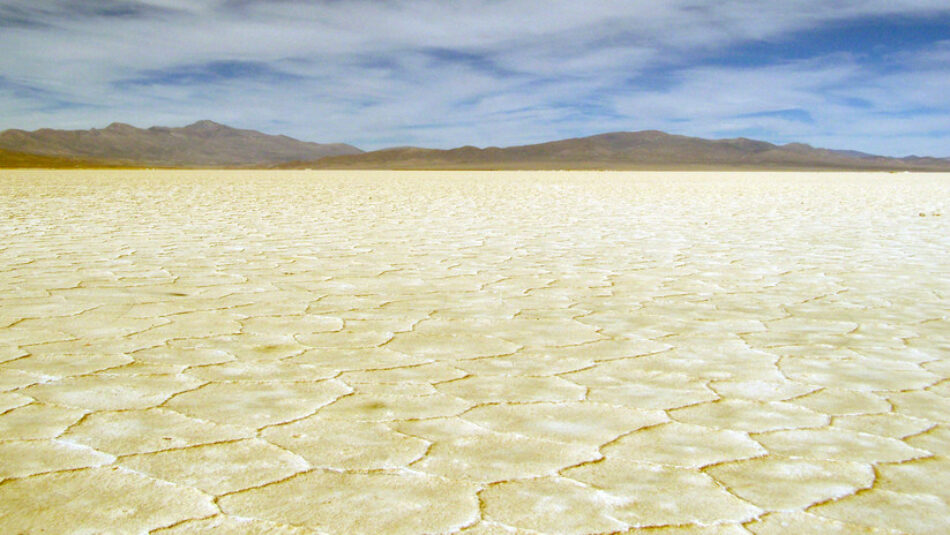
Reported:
(864, 75)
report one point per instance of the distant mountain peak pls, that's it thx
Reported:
(798, 146)
(210, 128)
(118, 127)
(206, 124)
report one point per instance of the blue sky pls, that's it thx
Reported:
(869, 75)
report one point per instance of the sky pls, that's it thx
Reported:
(869, 75)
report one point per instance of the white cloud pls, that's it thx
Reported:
(446, 73)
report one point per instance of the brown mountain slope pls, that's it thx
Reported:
(10, 159)
(627, 150)
(202, 144)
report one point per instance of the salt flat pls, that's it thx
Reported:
(448, 352)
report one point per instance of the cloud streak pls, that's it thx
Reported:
(487, 72)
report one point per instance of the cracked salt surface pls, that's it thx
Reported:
(447, 352)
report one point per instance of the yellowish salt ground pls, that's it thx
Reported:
(448, 352)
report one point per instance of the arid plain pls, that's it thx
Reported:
(474, 352)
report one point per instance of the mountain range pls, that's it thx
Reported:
(649, 149)
(202, 144)
(209, 144)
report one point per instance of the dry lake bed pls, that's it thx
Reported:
(449, 352)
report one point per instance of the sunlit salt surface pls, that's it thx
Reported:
(443, 352)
